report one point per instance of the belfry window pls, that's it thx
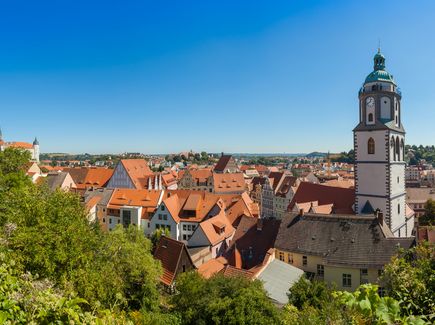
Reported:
(371, 146)
(402, 147)
(397, 149)
(370, 119)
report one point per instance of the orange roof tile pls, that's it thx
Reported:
(211, 267)
(138, 171)
(228, 183)
(211, 228)
(342, 198)
(22, 145)
(168, 252)
(147, 199)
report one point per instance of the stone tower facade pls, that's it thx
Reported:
(379, 143)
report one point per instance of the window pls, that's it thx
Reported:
(304, 260)
(189, 228)
(320, 270)
(184, 268)
(281, 256)
(397, 149)
(184, 227)
(290, 258)
(402, 147)
(380, 272)
(397, 179)
(364, 272)
(160, 216)
(165, 217)
(398, 208)
(347, 280)
(370, 119)
(104, 220)
(371, 146)
(126, 218)
(162, 207)
(184, 237)
(381, 291)
(119, 221)
(110, 220)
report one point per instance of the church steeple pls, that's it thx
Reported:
(379, 61)
(379, 143)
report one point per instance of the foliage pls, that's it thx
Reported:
(415, 154)
(311, 293)
(375, 309)
(429, 216)
(410, 279)
(345, 157)
(222, 300)
(25, 299)
(313, 302)
(316, 303)
(54, 239)
(156, 235)
(12, 170)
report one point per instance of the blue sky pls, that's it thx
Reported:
(233, 76)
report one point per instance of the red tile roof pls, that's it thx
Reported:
(168, 252)
(229, 183)
(222, 163)
(253, 238)
(138, 171)
(217, 228)
(147, 199)
(343, 199)
(22, 145)
(426, 233)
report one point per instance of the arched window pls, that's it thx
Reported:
(402, 147)
(393, 148)
(397, 149)
(370, 119)
(371, 146)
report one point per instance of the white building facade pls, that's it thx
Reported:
(379, 143)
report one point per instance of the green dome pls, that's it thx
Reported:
(379, 73)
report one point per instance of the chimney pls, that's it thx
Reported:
(380, 217)
(259, 224)
(301, 212)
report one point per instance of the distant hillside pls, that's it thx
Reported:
(316, 154)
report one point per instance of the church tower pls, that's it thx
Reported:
(379, 144)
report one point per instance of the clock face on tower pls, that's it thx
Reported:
(370, 102)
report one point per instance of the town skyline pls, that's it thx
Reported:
(211, 84)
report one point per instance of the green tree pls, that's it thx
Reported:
(374, 309)
(429, 216)
(309, 293)
(53, 238)
(25, 299)
(12, 170)
(222, 300)
(410, 279)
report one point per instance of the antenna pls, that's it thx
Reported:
(379, 45)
